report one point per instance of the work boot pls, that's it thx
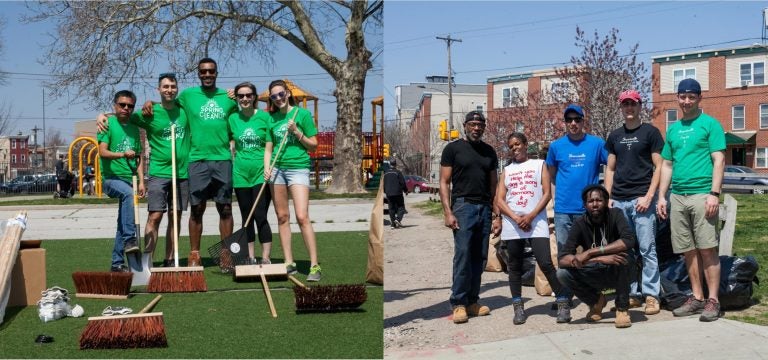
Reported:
(652, 306)
(711, 311)
(478, 310)
(596, 311)
(563, 311)
(634, 303)
(460, 314)
(622, 319)
(520, 316)
(194, 258)
(691, 306)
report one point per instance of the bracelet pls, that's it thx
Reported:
(602, 250)
(302, 137)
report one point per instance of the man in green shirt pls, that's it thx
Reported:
(693, 163)
(120, 152)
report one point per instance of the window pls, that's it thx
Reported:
(752, 73)
(13, 143)
(560, 91)
(22, 144)
(479, 108)
(13, 158)
(761, 157)
(737, 116)
(23, 159)
(763, 116)
(509, 96)
(671, 117)
(681, 74)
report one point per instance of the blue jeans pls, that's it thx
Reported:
(126, 227)
(644, 226)
(470, 250)
(590, 280)
(563, 223)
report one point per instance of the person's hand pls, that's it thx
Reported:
(661, 208)
(496, 226)
(711, 205)
(582, 257)
(129, 154)
(612, 259)
(575, 262)
(267, 174)
(610, 203)
(142, 190)
(231, 93)
(451, 222)
(292, 126)
(643, 203)
(146, 110)
(102, 123)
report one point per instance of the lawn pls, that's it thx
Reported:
(231, 320)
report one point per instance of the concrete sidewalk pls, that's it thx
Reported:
(418, 323)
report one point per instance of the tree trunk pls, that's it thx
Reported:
(347, 145)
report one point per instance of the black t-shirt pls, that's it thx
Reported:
(472, 164)
(584, 233)
(634, 165)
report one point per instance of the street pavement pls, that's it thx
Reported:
(418, 322)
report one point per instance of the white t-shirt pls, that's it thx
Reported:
(523, 182)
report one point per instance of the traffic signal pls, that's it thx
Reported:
(454, 134)
(442, 129)
(386, 150)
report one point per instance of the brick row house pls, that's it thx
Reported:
(733, 83)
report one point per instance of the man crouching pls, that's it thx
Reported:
(607, 239)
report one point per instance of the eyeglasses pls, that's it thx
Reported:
(207, 71)
(243, 96)
(167, 76)
(629, 103)
(126, 105)
(475, 124)
(576, 119)
(278, 96)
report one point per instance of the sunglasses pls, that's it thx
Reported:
(278, 96)
(126, 105)
(475, 124)
(207, 71)
(243, 96)
(167, 75)
(576, 119)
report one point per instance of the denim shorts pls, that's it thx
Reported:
(290, 177)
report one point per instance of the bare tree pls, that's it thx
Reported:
(599, 74)
(102, 44)
(54, 138)
(3, 74)
(7, 126)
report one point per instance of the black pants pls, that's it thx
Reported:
(515, 250)
(588, 281)
(396, 207)
(245, 199)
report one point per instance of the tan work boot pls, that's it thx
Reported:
(460, 314)
(478, 310)
(194, 259)
(622, 319)
(652, 306)
(596, 311)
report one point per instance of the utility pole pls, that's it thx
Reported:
(448, 41)
(45, 164)
(35, 130)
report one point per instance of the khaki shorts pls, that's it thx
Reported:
(690, 228)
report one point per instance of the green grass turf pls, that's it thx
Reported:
(231, 320)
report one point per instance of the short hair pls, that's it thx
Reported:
(519, 136)
(592, 188)
(124, 93)
(207, 60)
(167, 75)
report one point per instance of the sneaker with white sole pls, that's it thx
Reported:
(291, 268)
(315, 273)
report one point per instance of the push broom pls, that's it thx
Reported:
(176, 279)
(142, 330)
(138, 262)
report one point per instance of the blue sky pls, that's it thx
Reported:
(505, 37)
(23, 46)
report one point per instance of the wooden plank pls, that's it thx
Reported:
(100, 296)
(257, 270)
(726, 233)
(176, 269)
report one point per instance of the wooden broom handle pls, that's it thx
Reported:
(174, 199)
(151, 304)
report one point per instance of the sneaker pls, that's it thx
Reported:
(291, 268)
(563, 311)
(634, 303)
(194, 259)
(711, 311)
(460, 314)
(398, 224)
(691, 306)
(596, 311)
(478, 310)
(120, 268)
(652, 306)
(131, 247)
(520, 316)
(622, 319)
(315, 273)
(265, 261)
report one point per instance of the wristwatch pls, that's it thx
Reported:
(495, 216)
(714, 193)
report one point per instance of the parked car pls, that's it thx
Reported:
(43, 184)
(742, 175)
(18, 184)
(416, 184)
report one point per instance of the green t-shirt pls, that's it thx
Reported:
(294, 155)
(689, 144)
(250, 137)
(119, 138)
(158, 129)
(207, 113)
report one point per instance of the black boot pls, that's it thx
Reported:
(563, 311)
(520, 316)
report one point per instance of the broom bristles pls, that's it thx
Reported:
(103, 283)
(125, 332)
(329, 297)
(177, 281)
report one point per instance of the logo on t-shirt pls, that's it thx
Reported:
(212, 111)
(282, 130)
(124, 145)
(577, 160)
(249, 139)
(521, 185)
(167, 133)
(629, 141)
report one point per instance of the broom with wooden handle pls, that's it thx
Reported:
(176, 279)
(142, 330)
(9, 250)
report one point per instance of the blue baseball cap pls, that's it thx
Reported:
(689, 86)
(573, 108)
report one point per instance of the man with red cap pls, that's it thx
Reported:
(632, 178)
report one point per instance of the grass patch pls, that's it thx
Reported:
(434, 208)
(231, 320)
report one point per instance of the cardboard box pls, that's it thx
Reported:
(28, 279)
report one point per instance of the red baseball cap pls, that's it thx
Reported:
(630, 94)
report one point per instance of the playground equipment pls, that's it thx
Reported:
(82, 144)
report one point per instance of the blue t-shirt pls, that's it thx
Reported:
(578, 165)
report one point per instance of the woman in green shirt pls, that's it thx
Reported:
(290, 171)
(248, 129)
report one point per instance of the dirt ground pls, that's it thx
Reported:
(417, 315)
